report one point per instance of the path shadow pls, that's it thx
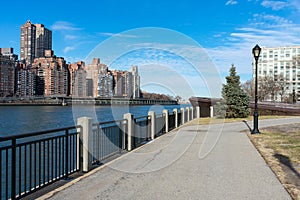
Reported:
(247, 125)
(287, 162)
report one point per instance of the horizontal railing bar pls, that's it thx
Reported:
(142, 117)
(46, 139)
(109, 122)
(36, 133)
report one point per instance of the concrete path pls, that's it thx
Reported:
(195, 162)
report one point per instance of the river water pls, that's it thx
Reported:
(27, 119)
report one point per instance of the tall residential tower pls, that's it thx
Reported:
(35, 39)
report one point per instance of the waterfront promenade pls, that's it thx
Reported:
(194, 162)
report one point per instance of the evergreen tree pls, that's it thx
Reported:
(235, 100)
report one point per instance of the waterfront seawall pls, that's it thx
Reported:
(85, 101)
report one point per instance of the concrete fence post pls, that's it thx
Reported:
(182, 115)
(198, 111)
(211, 111)
(86, 142)
(130, 129)
(152, 118)
(166, 112)
(188, 114)
(175, 111)
(192, 113)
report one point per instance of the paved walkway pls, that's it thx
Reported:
(195, 162)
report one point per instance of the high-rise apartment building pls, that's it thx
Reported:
(135, 82)
(127, 83)
(25, 82)
(105, 85)
(93, 70)
(7, 73)
(118, 83)
(43, 40)
(78, 80)
(35, 39)
(281, 63)
(52, 75)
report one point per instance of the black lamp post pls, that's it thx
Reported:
(256, 51)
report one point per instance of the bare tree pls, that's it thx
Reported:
(269, 87)
(248, 88)
(281, 86)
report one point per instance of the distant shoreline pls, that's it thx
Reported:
(30, 104)
(97, 102)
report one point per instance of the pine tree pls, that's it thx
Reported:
(235, 99)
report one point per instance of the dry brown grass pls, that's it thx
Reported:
(207, 120)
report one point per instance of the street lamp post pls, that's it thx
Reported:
(256, 51)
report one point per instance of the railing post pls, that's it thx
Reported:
(79, 148)
(211, 111)
(166, 112)
(198, 111)
(67, 154)
(175, 111)
(152, 119)
(130, 128)
(86, 138)
(182, 115)
(188, 114)
(13, 168)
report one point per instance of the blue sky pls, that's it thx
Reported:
(226, 29)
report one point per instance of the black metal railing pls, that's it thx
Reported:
(185, 115)
(191, 114)
(142, 131)
(194, 113)
(160, 125)
(34, 160)
(171, 121)
(179, 119)
(108, 139)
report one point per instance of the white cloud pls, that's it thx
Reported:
(63, 25)
(231, 2)
(68, 48)
(270, 21)
(275, 5)
(117, 35)
(70, 37)
(265, 30)
(295, 4)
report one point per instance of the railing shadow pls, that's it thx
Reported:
(287, 162)
(247, 125)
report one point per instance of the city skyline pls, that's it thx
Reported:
(227, 30)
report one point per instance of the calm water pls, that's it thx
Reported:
(25, 119)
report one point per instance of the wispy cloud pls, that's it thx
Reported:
(231, 2)
(69, 48)
(295, 4)
(265, 30)
(63, 25)
(117, 35)
(70, 37)
(270, 21)
(275, 5)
